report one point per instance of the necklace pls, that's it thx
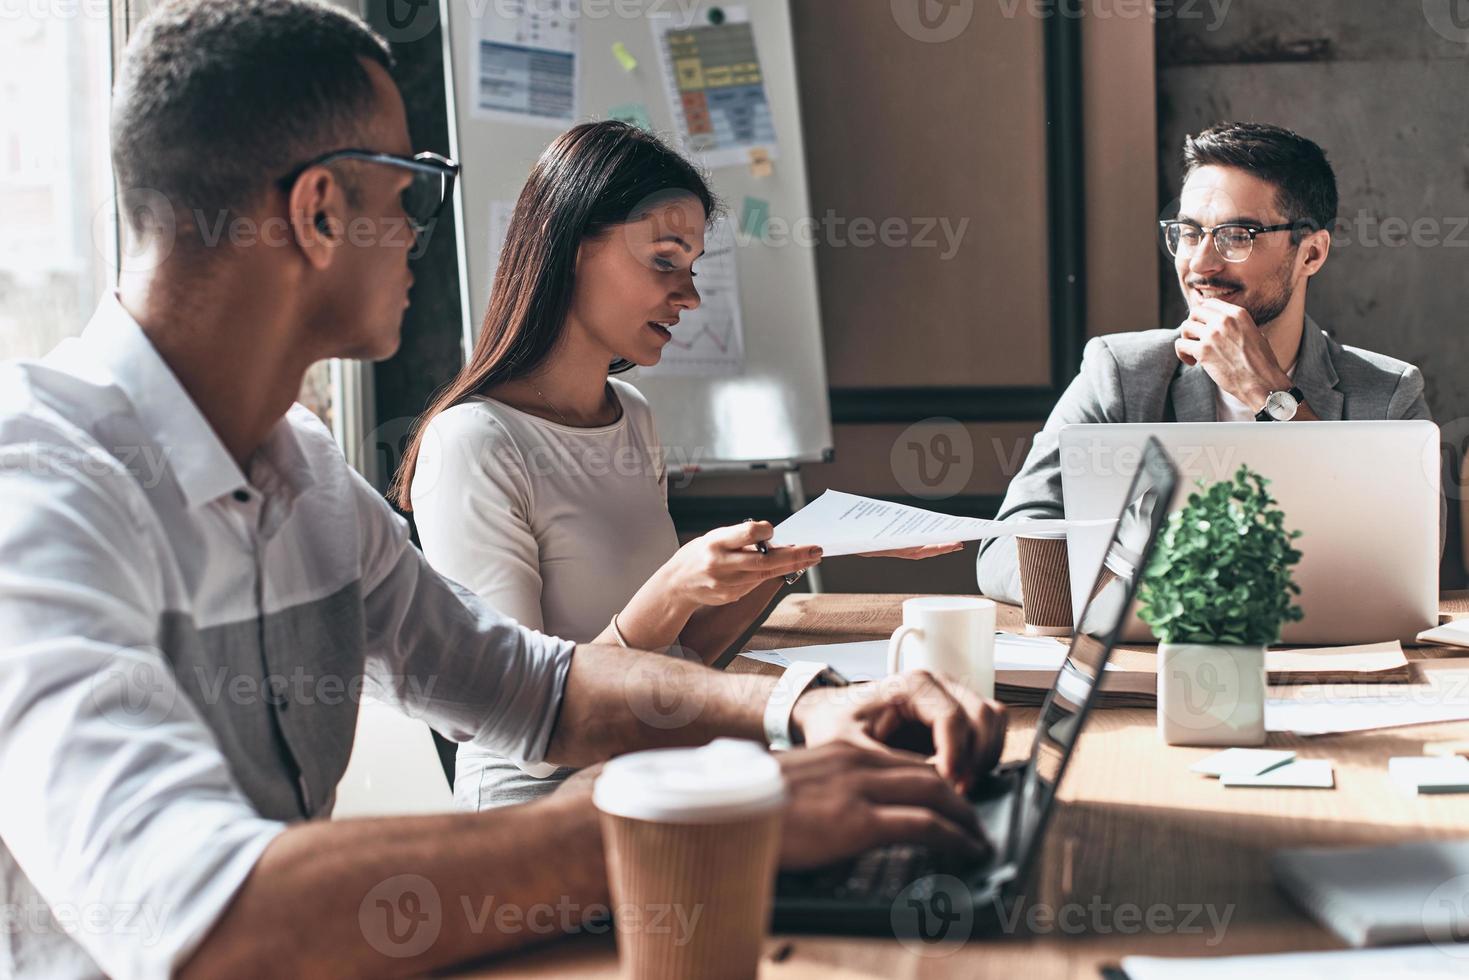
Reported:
(552, 404)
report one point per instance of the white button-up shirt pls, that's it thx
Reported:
(183, 648)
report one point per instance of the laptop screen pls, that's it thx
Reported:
(1144, 512)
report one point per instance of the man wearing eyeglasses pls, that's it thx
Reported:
(1253, 227)
(195, 588)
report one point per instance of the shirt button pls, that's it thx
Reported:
(243, 496)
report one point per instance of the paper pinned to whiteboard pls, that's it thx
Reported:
(527, 62)
(715, 85)
(709, 341)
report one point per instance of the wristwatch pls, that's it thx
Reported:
(1281, 406)
(798, 677)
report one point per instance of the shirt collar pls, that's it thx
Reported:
(203, 468)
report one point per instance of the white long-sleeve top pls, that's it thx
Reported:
(554, 525)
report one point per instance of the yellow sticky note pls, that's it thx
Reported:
(760, 162)
(624, 56)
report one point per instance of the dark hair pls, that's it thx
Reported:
(594, 177)
(217, 98)
(1304, 182)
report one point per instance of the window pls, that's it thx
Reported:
(58, 250)
(59, 242)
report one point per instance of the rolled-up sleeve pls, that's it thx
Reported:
(122, 817)
(446, 656)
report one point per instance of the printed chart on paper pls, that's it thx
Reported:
(709, 341)
(716, 87)
(525, 61)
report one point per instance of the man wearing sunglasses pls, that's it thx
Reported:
(1253, 227)
(196, 588)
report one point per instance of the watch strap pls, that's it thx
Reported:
(798, 677)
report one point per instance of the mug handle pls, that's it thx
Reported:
(895, 646)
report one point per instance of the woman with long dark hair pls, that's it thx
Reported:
(537, 480)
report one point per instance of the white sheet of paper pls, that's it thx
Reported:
(1242, 762)
(847, 524)
(868, 659)
(1430, 774)
(1425, 962)
(1361, 714)
(1454, 633)
(1300, 774)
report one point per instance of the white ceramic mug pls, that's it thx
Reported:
(952, 635)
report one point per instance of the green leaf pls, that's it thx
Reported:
(1221, 570)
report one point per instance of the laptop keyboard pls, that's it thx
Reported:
(880, 874)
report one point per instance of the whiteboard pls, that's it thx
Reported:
(775, 409)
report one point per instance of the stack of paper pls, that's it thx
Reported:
(1025, 668)
(1429, 774)
(1454, 633)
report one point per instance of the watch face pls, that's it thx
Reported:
(1281, 405)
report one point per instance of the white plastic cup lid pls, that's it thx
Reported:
(728, 779)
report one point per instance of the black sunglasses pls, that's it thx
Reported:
(433, 180)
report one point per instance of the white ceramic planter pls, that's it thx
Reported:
(1211, 695)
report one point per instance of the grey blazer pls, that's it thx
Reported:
(1136, 377)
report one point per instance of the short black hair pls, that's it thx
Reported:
(1304, 181)
(218, 98)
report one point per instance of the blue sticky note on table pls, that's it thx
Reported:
(632, 113)
(755, 216)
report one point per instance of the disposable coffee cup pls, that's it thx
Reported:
(692, 839)
(1045, 583)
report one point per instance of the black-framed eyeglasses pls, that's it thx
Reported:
(423, 199)
(1233, 240)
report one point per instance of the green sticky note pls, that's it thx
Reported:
(754, 216)
(624, 56)
(634, 114)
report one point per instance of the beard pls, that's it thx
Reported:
(1265, 303)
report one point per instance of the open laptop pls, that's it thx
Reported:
(1365, 496)
(905, 891)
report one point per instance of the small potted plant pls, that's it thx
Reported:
(1216, 593)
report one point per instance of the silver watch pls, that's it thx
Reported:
(1281, 406)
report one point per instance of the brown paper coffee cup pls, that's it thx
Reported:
(692, 839)
(1045, 583)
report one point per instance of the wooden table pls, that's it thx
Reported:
(1138, 839)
